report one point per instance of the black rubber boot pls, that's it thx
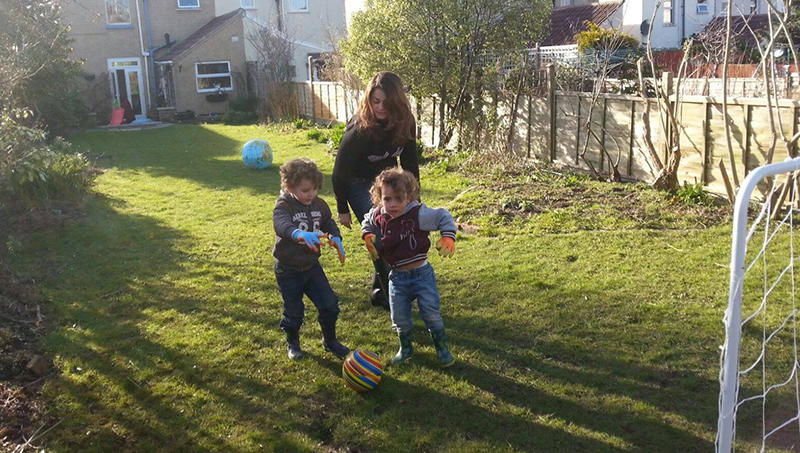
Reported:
(379, 295)
(331, 344)
(440, 342)
(406, 348)
(293, 344)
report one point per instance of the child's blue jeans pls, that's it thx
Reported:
(404, 287)
(314, 284)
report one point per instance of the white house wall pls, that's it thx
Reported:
(312, 31)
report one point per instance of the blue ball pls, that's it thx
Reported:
(257, 154)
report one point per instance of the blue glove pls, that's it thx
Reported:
(310, 238)
(337, 242)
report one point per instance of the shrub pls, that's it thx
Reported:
(692, 194)
(50, 172)
(234, 118)
(302, 123)
(316, 135)
(243, 104)
(336, 133)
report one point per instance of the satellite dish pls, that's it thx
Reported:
(777, 53)
(645, 27)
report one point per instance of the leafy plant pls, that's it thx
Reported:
(315, 134)
(692, 194)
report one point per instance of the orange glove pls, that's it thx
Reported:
(337, 244)
(369, 241)
(446, 247)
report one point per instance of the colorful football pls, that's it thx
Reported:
(362, 370)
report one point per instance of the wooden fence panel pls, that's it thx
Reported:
(693, 139)
(566, 125)
(617, 137)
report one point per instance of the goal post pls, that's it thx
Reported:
(730, 366)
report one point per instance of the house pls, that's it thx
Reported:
(188, 54)
(674, 21)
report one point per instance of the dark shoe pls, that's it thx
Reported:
(378, 298)
(331, 344)
(440, 342)
(406, 348)
(293, 344)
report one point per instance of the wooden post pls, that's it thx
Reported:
(433, 121)
(666, 84)
(530, 110)
(630, 139)
(551, 105)
(706, 142)
(311, 84)
(748, 134)
(793, 145)
(603, 136)
(419, 117)
(336, 98)
(578, 134)
(727, 181)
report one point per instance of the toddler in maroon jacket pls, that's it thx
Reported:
(397, 229)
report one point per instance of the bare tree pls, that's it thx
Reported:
(274, 72)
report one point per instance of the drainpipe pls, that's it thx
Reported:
(149, 46)
(683, 21)
(144, 53)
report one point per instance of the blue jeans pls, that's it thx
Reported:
(404, 287)
(314, 284)
(360, 200)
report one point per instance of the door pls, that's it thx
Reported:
(126, 83)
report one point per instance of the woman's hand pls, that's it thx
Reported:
(346, 220)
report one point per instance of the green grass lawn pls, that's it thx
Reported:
(165, 319)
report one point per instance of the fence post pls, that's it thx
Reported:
(666, 84)
(578, 133)
(311, 85)
(528, 136)
(551, 106)
(603, 137)
(706, 141)
(630, 139)
(748, 132)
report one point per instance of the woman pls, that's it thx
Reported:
(382, 131)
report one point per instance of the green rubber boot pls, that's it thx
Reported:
(406, 348)
(440, 342)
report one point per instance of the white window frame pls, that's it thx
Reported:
(296, 6)
(723, 7)
(195, 6)
(248, 4)
(669, 10)
(198, 76)
(754, 6)
(567, 2)
(105, 2)
(702, 6)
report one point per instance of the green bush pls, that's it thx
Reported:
(234, 118)
(302, 123)
(50, 172)
(316, 135)
(243, 104)
(692, 194)
(336, 133)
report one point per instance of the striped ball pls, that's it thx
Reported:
(362, 370)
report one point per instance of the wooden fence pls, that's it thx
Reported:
(552, 128)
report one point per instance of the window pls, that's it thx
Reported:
(567, 2)
(669, 19)
(213, 76)
(298, 6)
(248, 4)
(723, 9)
(702, 6)
(189, 4)
(118, 11)
(753, 6)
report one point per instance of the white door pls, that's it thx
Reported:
(126, 83)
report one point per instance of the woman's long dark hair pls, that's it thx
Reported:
(400, 121)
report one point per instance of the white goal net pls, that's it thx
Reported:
(759, 403)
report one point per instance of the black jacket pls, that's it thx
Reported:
(363, 158)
